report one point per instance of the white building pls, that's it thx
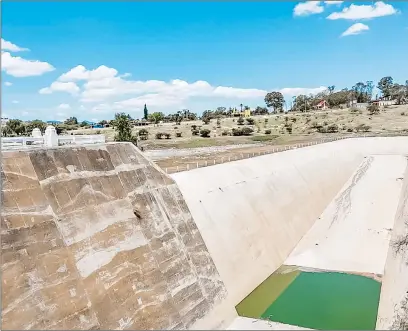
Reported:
(4, 121)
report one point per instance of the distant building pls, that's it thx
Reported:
(322, 105)
(243, 113)
(383, 103)
(4, 121)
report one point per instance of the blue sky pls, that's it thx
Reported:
(92, 59)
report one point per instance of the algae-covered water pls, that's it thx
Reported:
(317, 300)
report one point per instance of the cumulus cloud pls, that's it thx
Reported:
(355, 29)
(68, 87)
(9, 46)
(19, 67)
(104, 90)
(8, 83)
(333, 2)
(308, 8)
(358, 12)
(64, 106)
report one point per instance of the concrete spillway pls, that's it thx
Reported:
(101, 238)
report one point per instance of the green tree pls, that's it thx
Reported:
(331, 89)
(275, 100)
(385, 85)
(71, 121)
(123, 128)
(145, 113)
(156, 117)
(16, 127)
(36, 124)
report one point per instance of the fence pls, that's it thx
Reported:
(10, 143)
(277, 149)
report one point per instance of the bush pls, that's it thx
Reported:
(178, 134)
(247, 131)
(266, 120)
(373, 109)
(206, 120)
(193, 127)
(333, 128)
(250, 121)
(363, 128)
(98, 132)
(195, 132)
(353, 110)
(403, 113)
(293, 119)
(322, 129)
(159, 135)
(225, 133)
(268, 131)
(205, 133)
(240, 121)
(167, 135)
(237, 132)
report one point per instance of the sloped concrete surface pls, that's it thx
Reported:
(353, 233)
(99, 238)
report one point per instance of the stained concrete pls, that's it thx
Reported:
(99, 238)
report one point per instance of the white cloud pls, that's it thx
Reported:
(308, 8)
(106, 91)
(64, 106)
(293, 91)
(19, 67)
(81, 73)
(357, 12)
(333, 2)
(355, 29)
(15, 101)
(8, 46)
(68, 87)
(8, 83)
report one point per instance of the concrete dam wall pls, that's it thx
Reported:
(100, 238)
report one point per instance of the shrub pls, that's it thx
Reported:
(250, 121)
(363, 127)
(218, 122)
(293, 119)
(373, 109)
(167, 135)
(268, 131)
(205, 133)
(225, 133)
(403, 113)
(240, 121)
(178, 134)
(195, 132)
(349, 129)
(193, 127)
(353, 110)
(159, 135)
(206, 120)
(266, 120)
(237, 132)
(98, 131)
(332, 128)
(247, 131)
(322, 129)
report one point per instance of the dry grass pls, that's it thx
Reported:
(392, 119)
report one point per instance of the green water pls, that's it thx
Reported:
(327, 300)
(262, 297)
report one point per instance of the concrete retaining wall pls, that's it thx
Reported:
(98, 237)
